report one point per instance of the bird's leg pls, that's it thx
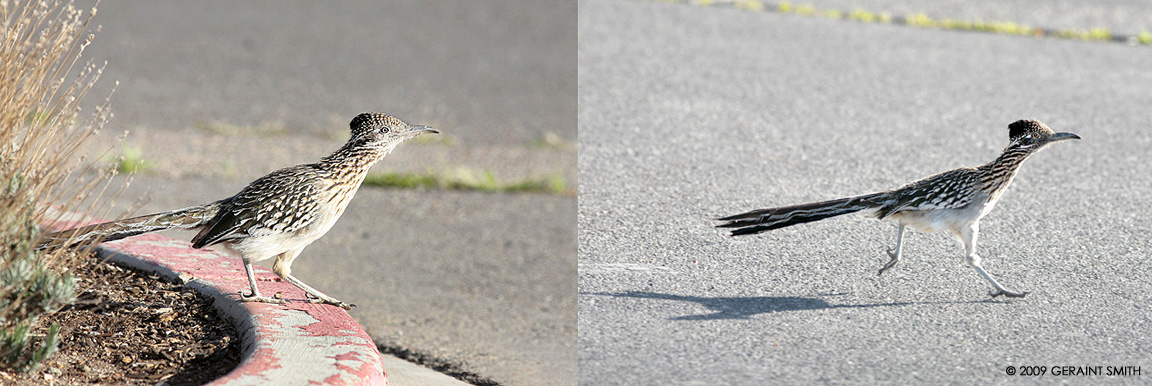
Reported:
(283, 268)
(255, 295)
(895, 255)
(319, 297)
(1000, 290)
(968, 236)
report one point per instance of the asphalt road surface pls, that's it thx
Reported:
(688, 113)
(485, 281)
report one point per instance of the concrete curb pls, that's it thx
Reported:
(297, 343)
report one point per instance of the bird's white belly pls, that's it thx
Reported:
(265, 244)
(940, 220)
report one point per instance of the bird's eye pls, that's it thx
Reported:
(384, 130)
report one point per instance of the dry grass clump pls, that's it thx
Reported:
(42, 84)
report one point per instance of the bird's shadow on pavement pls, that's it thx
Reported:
(745, 307)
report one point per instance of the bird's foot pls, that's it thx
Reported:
(1007, 293)
(257, 298)
(330, 300)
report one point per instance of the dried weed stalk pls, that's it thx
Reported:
(42, 84)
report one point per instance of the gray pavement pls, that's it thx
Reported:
(483, 281)
(491, 70)
(688, 113)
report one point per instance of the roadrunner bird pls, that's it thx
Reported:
(955, 200)
(277, 215)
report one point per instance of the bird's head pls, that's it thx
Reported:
(1031, 134)
(375, 129)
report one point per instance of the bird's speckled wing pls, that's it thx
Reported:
(948, 190)
(280, 202)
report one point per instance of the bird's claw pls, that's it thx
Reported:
(327, 300)
(337, 303)
(255, 297)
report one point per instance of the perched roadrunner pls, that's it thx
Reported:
(277, 215)
(955, 200)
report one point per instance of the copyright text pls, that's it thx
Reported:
(1109, 371)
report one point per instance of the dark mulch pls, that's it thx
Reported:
(133, 328)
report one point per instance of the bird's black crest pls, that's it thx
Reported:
(1026, 126)
(365, 122)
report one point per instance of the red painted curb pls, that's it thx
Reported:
(297, 343)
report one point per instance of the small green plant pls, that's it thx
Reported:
(862, 16)
(1144, 38)
(31, 288)
(402, 180)
(467, 179)
(919, 20)
(551, 140)
(751, 5)
(131, 161)
(552, 184)
(1102, 34)
(1010, 28)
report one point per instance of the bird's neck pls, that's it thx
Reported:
(353, 159)
(999, 173)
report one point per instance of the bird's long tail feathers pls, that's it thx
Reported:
(763, 220)
(186, 218)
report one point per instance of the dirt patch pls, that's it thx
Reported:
(132, 328)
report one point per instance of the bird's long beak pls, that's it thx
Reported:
(1063, 136)
(415, 130)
